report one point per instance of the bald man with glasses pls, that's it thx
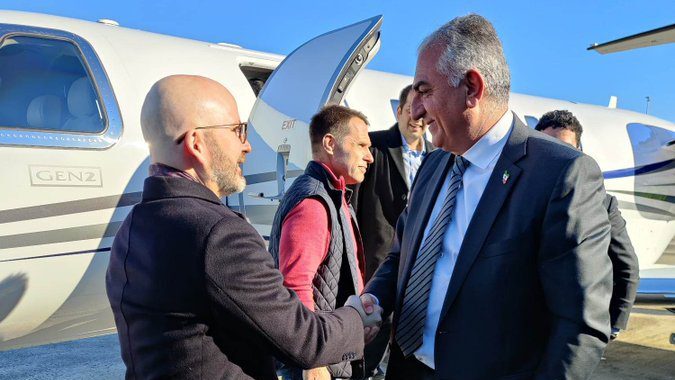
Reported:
(194, 293)
(240, 129)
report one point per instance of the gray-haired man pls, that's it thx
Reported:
(499, 268)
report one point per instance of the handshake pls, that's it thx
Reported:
(370, 312)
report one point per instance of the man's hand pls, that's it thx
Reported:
(370, 303)
(370, 312)
(320, 373)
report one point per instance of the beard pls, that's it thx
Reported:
(224, 171)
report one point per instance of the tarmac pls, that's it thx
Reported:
(643, 351)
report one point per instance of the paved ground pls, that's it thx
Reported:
(644, 350)
(641, 352)
(93, 358)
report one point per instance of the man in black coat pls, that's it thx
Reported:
(193, 290)
(383, 194)
(564, 126)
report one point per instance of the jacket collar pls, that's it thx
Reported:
(332, 183)
(159, 187)
(516, 145)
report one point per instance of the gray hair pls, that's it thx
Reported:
(471, 42)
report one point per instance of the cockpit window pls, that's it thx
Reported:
(44, 85)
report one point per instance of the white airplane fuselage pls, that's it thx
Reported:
(60, 204)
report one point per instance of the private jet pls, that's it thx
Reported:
(74, 159)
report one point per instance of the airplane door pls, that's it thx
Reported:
(316, 74)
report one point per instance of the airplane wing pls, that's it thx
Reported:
(654, 37)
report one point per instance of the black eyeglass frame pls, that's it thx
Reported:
(240, 129)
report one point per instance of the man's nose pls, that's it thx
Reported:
(246, 148)
(369, 157)
(416, 108)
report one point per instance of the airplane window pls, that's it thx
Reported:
(531, 121)
(44, 85)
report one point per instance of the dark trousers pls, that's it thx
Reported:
(401, 368)
(375, 350)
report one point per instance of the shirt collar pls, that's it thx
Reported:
(406, 147)
(485, 150)
(161, 170)
(338, 183)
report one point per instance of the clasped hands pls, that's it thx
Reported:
(371, 314)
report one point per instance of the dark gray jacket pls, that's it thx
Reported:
(529, 294)
(625, 268)
(195, 295)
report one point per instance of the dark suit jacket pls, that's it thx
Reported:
(529, 295)
(195, 294)
(626, 269)
(382, 195)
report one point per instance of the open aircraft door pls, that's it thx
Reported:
(316, 74)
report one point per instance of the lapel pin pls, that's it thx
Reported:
(505, 177)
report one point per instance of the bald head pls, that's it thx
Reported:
(175, 105)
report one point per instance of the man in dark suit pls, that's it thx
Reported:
(564, 126)
(193, 290)
(499, 268)
(381, 197)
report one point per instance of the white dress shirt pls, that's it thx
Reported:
(483, 156)
(412, 159)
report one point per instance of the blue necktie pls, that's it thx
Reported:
(410, 329)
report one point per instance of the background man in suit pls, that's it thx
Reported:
(499, 268)
(315, 237)
(383, 194)
(564, 126)
(194, 293)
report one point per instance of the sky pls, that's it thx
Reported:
(545, 42)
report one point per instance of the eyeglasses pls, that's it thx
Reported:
(240, 129)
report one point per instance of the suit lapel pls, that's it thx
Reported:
(395, 147)
(502, 180)
(418, 217)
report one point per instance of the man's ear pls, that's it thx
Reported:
(194, 145)
(399, 110)
(475, 87)
(328, 143)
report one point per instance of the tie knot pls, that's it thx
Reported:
(460, 165)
